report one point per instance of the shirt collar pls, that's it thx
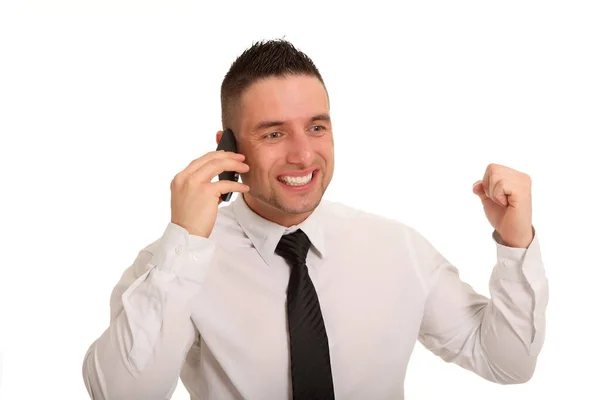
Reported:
(265, 234)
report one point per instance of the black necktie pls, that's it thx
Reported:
(309, 348)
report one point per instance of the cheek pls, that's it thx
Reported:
(260, 165)
(326, 152)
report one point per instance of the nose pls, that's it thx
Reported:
(300, 151)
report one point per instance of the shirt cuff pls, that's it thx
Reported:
(183, 255)
(518, 264)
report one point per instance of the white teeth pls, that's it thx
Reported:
(296, 181)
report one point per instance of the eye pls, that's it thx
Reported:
(317, 128)
(272, 135)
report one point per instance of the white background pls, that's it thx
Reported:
(102, 103)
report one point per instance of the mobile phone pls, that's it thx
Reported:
(228, 143)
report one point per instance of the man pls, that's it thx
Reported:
(282, 295)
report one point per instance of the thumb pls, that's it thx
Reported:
(479, 191)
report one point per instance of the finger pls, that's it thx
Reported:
(226, 186)
(500, 192)
(216, 166)
(478, 190)
(199, 162)
(485, 181)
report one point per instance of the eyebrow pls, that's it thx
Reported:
(271, 124)
(321, 117)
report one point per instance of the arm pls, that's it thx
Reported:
(140, 354)
(498, 338)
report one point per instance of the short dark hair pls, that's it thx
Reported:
(264, 59)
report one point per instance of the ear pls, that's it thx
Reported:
(219, 135)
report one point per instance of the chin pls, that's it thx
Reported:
(298, 205)
(289, 204)
(300, 209)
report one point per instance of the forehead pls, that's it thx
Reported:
(283, 98)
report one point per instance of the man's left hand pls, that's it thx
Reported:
(506, 197)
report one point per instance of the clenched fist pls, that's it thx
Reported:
(506, 197)
(195, 199)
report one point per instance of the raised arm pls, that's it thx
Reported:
(498, 338)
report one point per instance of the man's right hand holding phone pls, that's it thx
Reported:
(195, 198)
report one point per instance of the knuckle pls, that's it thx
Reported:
(212, 166)
(195, 180)
(177, 181)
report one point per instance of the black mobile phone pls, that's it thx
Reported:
(228, 143)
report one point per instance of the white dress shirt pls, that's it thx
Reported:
(213, 311)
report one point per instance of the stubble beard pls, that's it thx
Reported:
(274, 201)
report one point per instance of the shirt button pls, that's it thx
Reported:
(178, 249)
(506, 263)
(196, 257)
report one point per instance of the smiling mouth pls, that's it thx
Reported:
(297, 180)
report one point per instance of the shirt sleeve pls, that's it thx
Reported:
(497, 337)
(141, 352)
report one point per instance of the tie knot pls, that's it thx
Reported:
(294, 247)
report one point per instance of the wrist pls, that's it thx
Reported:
(518, 241)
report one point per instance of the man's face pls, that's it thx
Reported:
(286, 136)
